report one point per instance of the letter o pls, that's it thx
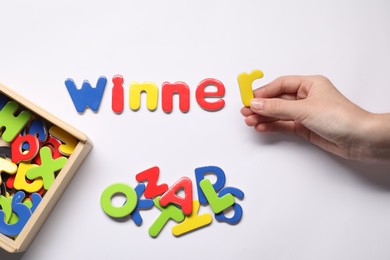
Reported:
(115, 189)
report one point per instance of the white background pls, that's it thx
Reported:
(301, 203)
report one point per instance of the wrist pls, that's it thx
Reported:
(375, 146)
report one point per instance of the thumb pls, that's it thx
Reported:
(278, 108)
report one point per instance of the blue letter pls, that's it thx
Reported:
(86, 96)
(200, 174)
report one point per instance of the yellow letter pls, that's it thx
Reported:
(193, 221)
(245, 81)
(151, 91)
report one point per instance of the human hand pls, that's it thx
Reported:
(311, 107)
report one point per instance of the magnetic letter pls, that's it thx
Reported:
(245, 82)
(236, 207)
(141, 204)
(170, 212)
(200, 174)
(7, 167)
(151, 176)
(170, 196)
(3, 101)
(126, 208)
(86, 96)
(38, 129)
(201, 94)
(117, 102)
(217, 204)
(20, 182)
(23, 213)
(18, 154)
(151, 91)
(193, 221)
(169, 89)
(48, 167)
(13, 124)
(54, 145)
(6, 207)
(69, 141)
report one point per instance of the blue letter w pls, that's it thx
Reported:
(86, 96)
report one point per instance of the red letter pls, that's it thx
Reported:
(181, 88)
(171, 197)
(201, 94)
(117, 94)
(18, 155)
(152, 189)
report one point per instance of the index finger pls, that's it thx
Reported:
(282, 85)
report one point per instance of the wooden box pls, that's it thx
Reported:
(21, 242)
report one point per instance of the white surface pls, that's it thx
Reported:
(301, 203)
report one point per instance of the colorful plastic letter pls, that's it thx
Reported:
(170, 212)
(54, 145)
(69, 141)
(169, 89)
(237, 216)
(193, 221)
(151, 91)
(3, 101)
(200, 174)
(141, 204)
(126, 208)
(201, 94)
(7, 166)
(48, 167)
(171, 196)
(18, 154)
(6, 207)
(31, 203)
(36, 198)
(13, 124)
(20, 182)
(23, 213)
(245, 82)
(151, 176)
(38, 129)
(117, 101)
(86, 96)
(10, 182)
(217, 204)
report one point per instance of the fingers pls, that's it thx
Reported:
(279, 126)
(279, 108)
(283, 85)
(246, 111)
(282, 99)
(256, 119)
(305, 106)
(252, 119)
(274, 99)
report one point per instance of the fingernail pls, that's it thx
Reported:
(257, 104)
